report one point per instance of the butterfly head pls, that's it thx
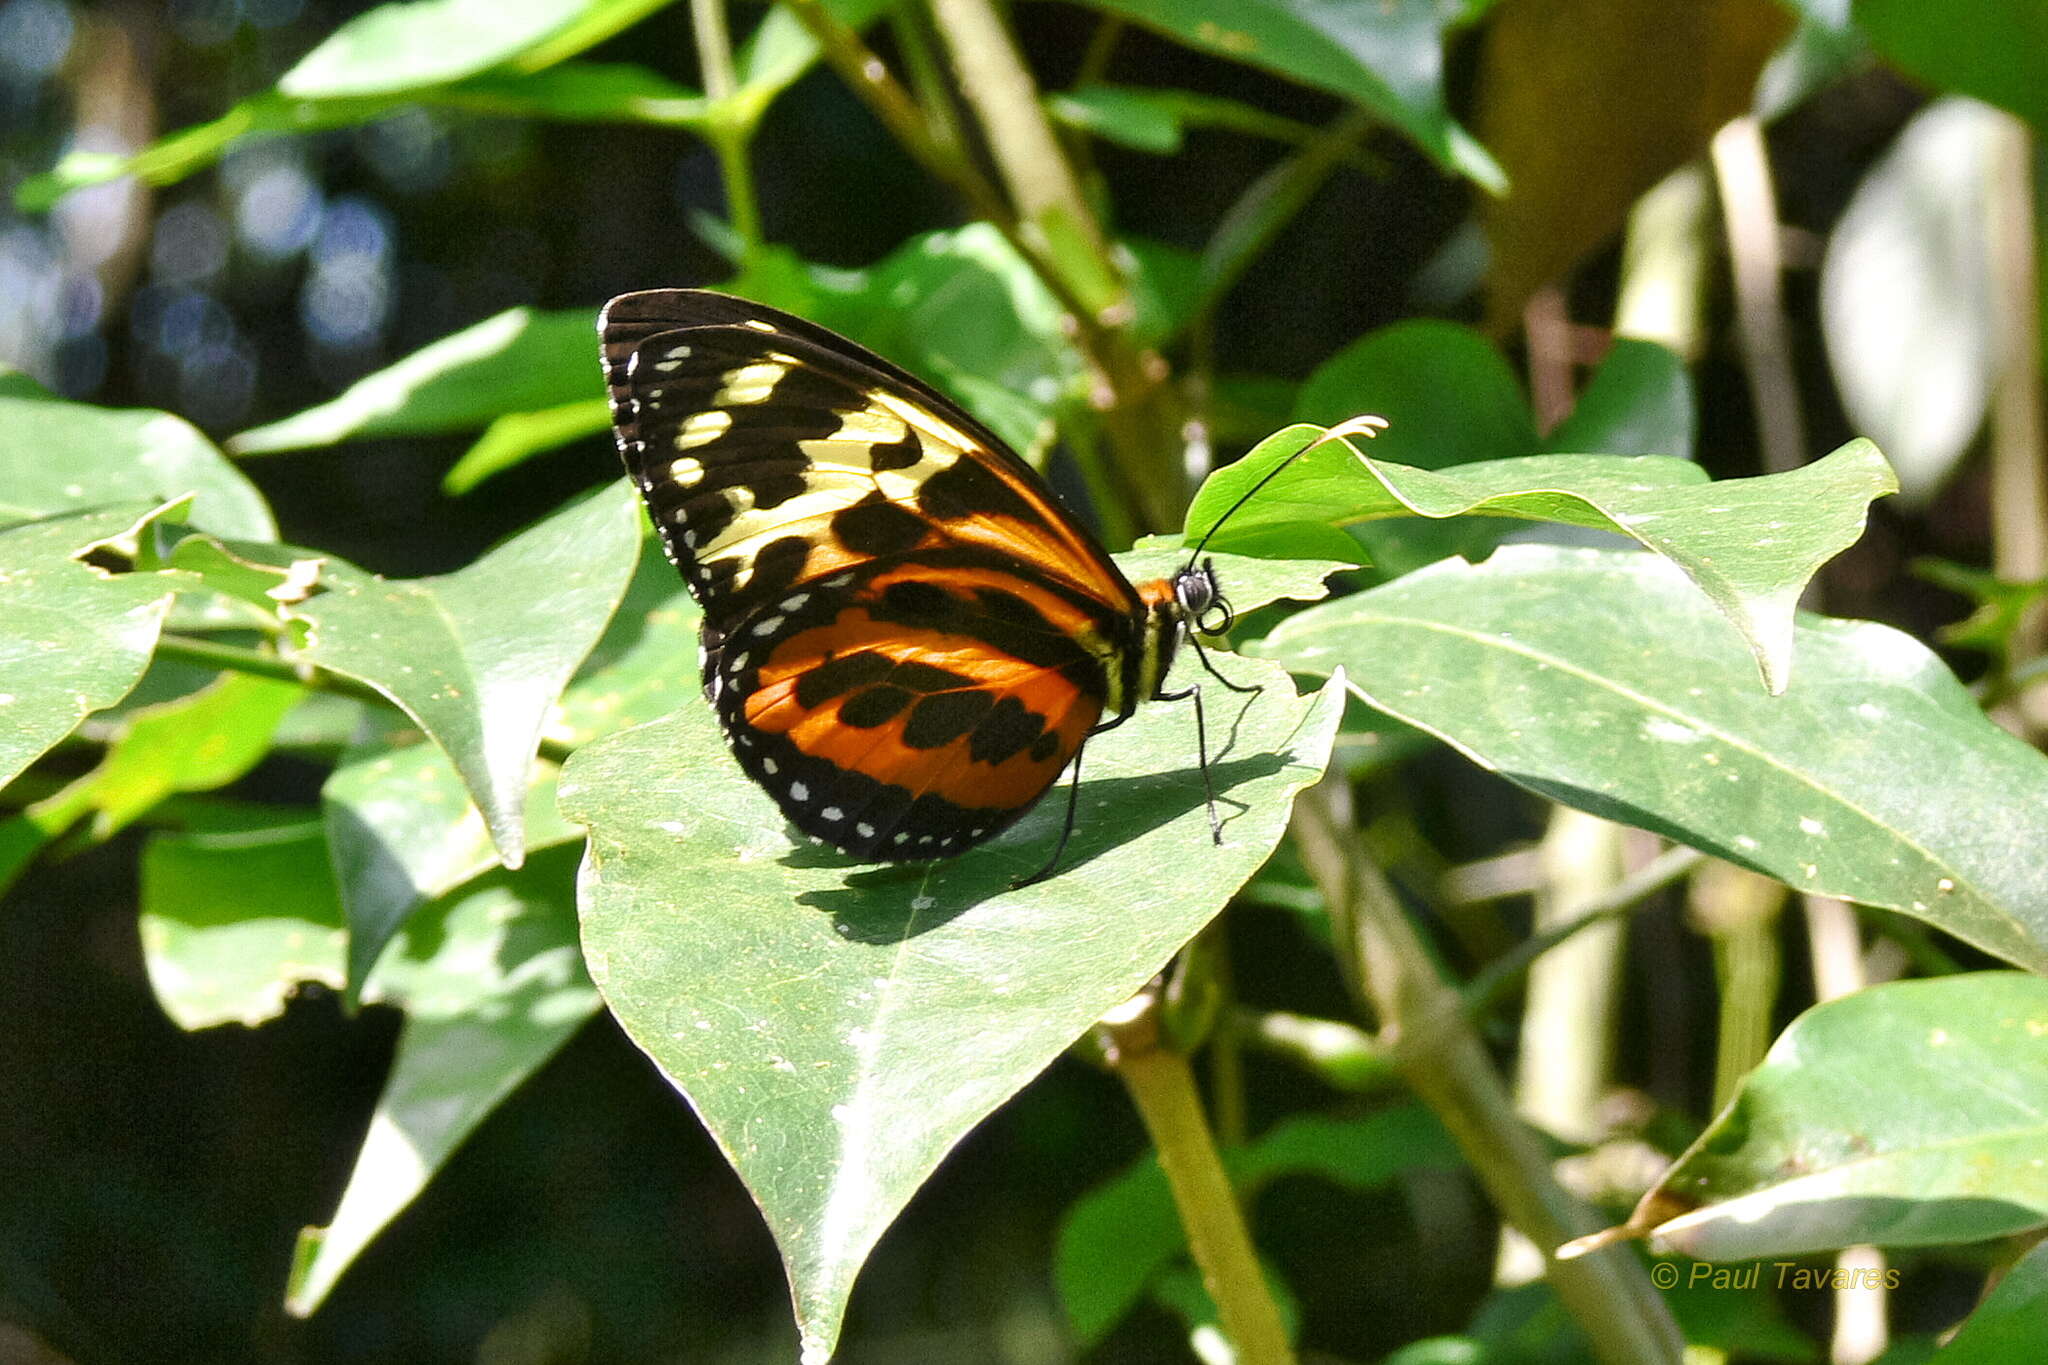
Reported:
(1201, 600)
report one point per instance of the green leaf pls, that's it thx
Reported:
(402, 830)
(840, 1028)
(1750, 545)
(1116, 1238)
(2002, 607)
(1603, 680)
(234, 920)
(517, 436)
(1248, 583)
(2012, 1321)
(399, 47)
(519, 361)
(645, 665)
(1387, 57)
(578, 92)
(1639, 402)
(478, 657)
(1905, 1115)
(1996, 50)
(1908, 289)
(492, 984)
(1120, 114)
(197, 742)
(57, 456)
(1448, 397)
(73, 638)
(1151, 119)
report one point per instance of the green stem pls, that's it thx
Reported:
(1162, 1087)
(730, 128)
(192, 649)
(240, 659)
(1000, 89)
(1423, 1024)
(1486, 989)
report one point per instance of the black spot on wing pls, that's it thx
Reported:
(837, 677)
(968, 488)
(901, 454)
(777, 566)
(1005, 730)
(1044, 746)
(876, 706)
(876, 526)
(944, 717)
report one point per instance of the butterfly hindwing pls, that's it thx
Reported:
(912, 713)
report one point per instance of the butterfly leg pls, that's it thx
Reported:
(1202, 749)
(1073, 797)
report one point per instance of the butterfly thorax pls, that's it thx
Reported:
(1149, 657)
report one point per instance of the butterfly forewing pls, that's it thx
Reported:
(906, 639)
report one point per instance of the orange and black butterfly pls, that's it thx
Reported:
(905, 636)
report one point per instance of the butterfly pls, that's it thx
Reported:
(906, 638)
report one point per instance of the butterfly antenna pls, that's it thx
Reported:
(1366, 425)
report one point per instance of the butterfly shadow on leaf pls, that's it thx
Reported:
(896, 902)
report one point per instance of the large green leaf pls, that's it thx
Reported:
(73, 638)
(839, 1028)
(492, 983)
(402, 830)
(1450, 399)
(489, 978)
(1750, 545)
(2012, 1321)
(1602, 679)
(519, 360)
(1121, 1234)
(57, 456)
(1910, 1114)
(1996, 50)
(1386, 56)
(478, 657)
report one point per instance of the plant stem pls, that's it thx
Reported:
(1162, 1087)
(730, 129)
(1000, 89)
(2019, 451)
(1749, 209)
(240, 659)
(1423, 1024)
